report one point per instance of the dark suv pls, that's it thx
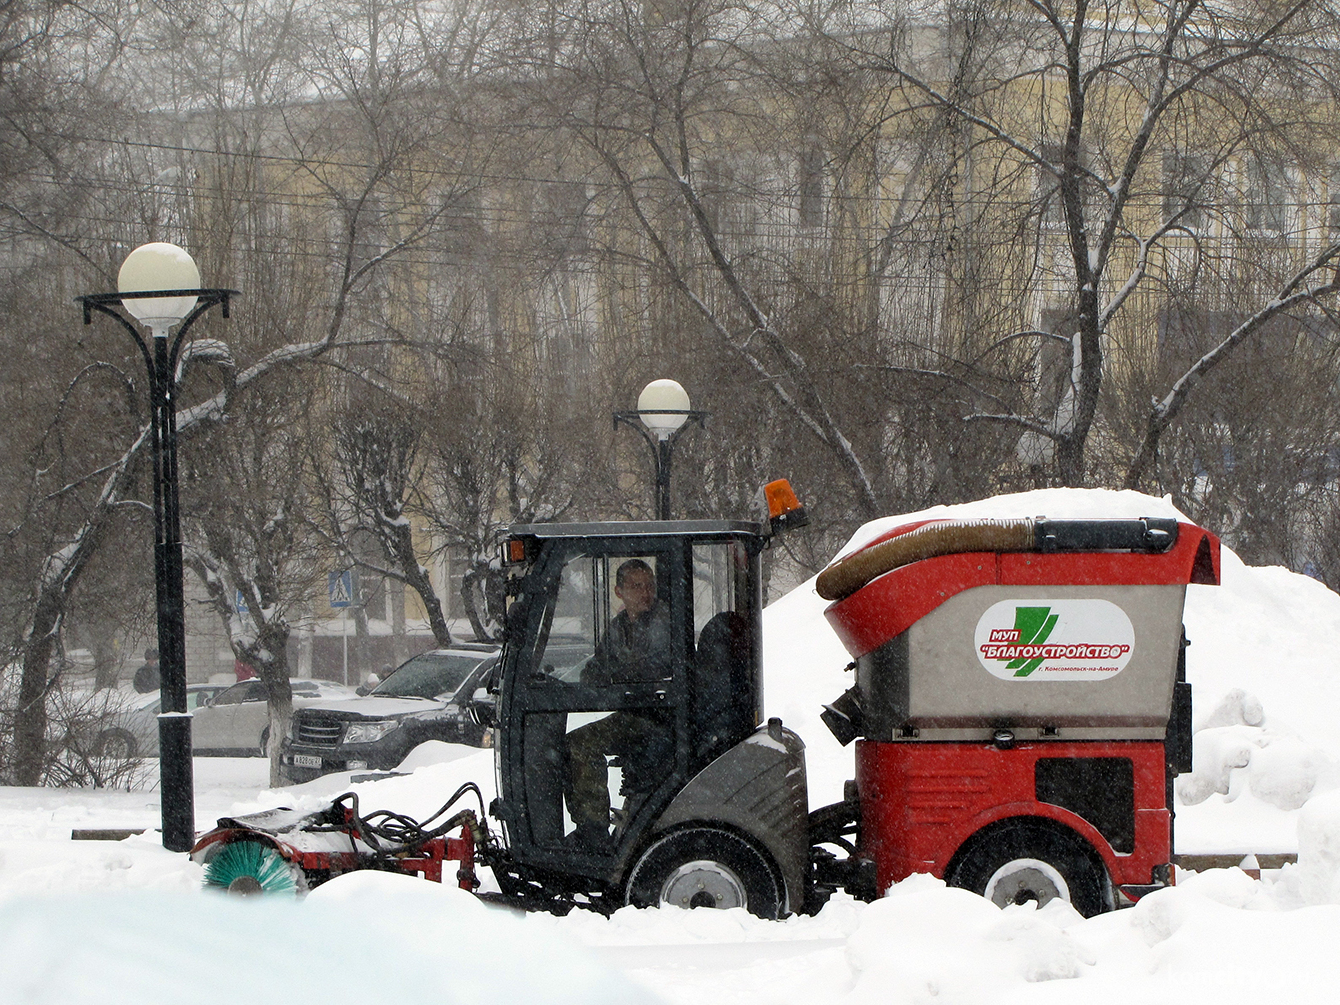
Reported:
(426, 698)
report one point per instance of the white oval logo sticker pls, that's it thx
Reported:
(1054, 639)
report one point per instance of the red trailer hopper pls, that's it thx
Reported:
(1021, 700)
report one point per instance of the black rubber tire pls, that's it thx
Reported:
(117, 743)
(1021, 855)
(705, 867)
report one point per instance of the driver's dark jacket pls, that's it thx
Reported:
(634, 649)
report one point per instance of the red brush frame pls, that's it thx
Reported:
(428, 862)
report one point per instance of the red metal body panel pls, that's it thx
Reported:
(890, 604)
(921, 801)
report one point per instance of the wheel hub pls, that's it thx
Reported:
(245, 886)
(703, 883)
(1026, 880)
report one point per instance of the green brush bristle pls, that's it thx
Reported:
(251, 858)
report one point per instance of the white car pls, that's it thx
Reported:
(132, 731)
(237, 721)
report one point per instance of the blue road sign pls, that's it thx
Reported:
(341, 587)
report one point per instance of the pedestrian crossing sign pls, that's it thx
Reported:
(341, 587)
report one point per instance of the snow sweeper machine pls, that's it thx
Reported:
(1019, 706)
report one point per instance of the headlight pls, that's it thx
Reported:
(368, 732)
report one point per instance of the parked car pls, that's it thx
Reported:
(237, 721)
(425, 698)
(133, 731)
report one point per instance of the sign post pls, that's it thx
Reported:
(341, 588)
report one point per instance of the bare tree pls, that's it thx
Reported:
(1113, 139)
(736, 243)
(662, 97)
(499, 451)
(369, 486)
(238, 190)
(248, 535)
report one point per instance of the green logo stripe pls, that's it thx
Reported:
(1034, 625)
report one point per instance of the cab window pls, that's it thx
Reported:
(610, 621)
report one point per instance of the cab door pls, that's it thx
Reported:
(572, 687)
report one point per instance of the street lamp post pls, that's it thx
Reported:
(663, 408)
(159, 285)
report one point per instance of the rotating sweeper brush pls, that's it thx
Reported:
(286, 852)
(250, 867)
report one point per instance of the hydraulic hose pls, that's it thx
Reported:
(401, 832)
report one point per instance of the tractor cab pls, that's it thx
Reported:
(631, 662)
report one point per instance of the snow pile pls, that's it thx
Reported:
(903, 939)
(1280, 769)
(1219, 937)
(363, 937)
(429, 774)
(1318, 872)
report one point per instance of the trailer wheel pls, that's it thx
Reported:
(1022, 860)
(705, 867)
(247, 868)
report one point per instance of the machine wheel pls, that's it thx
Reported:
(247, 868)
(1022, 860)
(117, 744)
(705, 867)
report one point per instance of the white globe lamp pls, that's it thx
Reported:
(158, 266)
(663, 406)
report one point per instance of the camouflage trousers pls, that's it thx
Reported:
(630, 736)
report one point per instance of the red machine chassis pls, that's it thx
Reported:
(921, 801)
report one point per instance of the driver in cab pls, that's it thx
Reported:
(635, 648)
(637, 645)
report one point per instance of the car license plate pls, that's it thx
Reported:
(306, 761)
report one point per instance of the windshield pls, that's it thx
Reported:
(429, 676)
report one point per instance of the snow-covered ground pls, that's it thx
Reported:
(127, 922)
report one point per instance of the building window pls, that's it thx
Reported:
(563, 223)
(1333, 203)
(455, 561)
(1186, 177)
(1055, 358)
(811, 186)
(1051, 206)
(1270, 196)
